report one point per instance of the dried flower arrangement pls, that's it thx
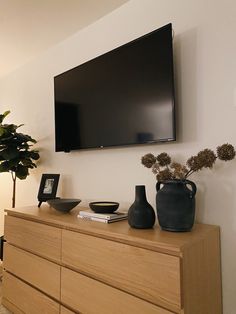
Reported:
(166, 169)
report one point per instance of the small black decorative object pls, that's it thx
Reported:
(176, 204)
(63, 204)
(141, 214)
(48, 187)
(104, 207)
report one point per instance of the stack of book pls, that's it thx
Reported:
(107, 218)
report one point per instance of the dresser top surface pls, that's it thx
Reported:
(154, 239)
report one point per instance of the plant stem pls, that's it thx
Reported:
(14, 189)
(189, 173)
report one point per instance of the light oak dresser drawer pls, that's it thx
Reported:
(25, 298)
(149, 275)
(42, 239)
(57, 263)
(65, 311)
(39, 272)
(92, 297)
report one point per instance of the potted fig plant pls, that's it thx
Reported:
(16, 155)
(175, 199)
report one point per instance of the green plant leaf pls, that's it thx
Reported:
(11, 128)
(4, 166)
(34, 155)
(9, 153)
(16, 155)
(2, 116)
(2, 131)
(24, 138)
(28, 163)
(22, 172)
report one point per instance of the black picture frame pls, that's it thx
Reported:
(48, 187)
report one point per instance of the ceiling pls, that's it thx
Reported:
(27, 27)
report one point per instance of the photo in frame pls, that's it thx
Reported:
(48, 187)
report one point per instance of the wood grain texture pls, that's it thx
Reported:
(154, 239)
(91, 297)
(36, 237)
(26, 298)
(39, 272)
(11, 307)
(202, 276)
(178, 272)
(64, 310)
(129, 268)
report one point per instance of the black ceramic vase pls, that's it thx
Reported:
(176, 205)
(141, 214)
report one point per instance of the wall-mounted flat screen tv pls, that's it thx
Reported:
(123, 97)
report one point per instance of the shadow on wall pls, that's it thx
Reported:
(216, 195)
(185, 60)
(216, 203)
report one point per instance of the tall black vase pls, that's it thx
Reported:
(141, 214)
(176, 204)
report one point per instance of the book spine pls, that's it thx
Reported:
(93, 218)
(87, 214)
(115, 220)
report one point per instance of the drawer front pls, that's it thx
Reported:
(64, 310)
(39, 272)
(38, 238)
(150, 275)
(89, 296)
(25, 298)
(11, 307)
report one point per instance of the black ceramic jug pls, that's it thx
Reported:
(176, 204)
(141, 214)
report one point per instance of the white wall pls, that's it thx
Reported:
(205, 50)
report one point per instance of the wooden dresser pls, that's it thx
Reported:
(57, 263)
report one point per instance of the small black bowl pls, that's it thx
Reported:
(63, 204)
(104, 207)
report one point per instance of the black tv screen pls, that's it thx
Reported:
(123, 97)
